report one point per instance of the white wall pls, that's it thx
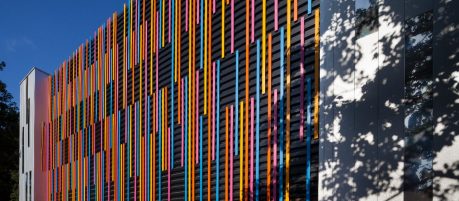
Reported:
(37, 92)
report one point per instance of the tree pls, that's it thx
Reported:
(9, 143)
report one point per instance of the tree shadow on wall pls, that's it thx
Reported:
(363, 137)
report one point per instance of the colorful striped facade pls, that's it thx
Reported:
(187, 100)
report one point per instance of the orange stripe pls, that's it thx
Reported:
(247, 66)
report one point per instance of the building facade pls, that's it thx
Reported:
(250, 100)
(388, 110)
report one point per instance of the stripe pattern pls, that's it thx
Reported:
(167, 86)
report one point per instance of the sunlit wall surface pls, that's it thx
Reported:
(389, 100)
(186, 100)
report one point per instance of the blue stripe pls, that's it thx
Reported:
(160, 25)
(236, 103)
(309, 7)
(217, 182)
(171, 147)
(257, 131)
(281, 118)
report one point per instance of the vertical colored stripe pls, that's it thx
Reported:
(222, 30)
(287, 115)
(217, 177)
(213, 109)
(196, 139)
(263, 47)
(281, 118)
(308, 142)
(302, 72)
(241, 150)
(257, 131)
(251, 149)
(276, 14)
(231, 155)
(316, 72)
(275, 181)
(226, 154)
(232, 26)
(252, 17)
(236, 101)
(200, 159)
(268, 160)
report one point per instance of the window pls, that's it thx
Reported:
(418, 107)
(366, 12)
(22, 151)
(26, 186)
(30, 185)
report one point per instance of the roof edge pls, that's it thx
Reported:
(31, 70)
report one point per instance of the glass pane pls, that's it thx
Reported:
(366, 12)
(418, 107)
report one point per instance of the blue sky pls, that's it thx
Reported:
(43, 33)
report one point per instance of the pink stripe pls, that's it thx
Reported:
(183, 122)
(157, 67)
(197, 118)
(276, 15)
(302, 31)
(302, 79)
(232, 26)
(213, 7)
(186, 15)
(197, 11)
(168, 166)
(231, 154)
(275, 145)
(135, 153)
(251, 144)
(213, 113)
(253, 21)
(169, 25)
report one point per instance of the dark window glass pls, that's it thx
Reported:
(418, 107)
(30, 185)
(22, 151)
(366, 12)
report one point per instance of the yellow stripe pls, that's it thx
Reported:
(316, 73)
(287, 125)
(163, 23)
(223, 29)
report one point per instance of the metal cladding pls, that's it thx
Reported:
(139, 109)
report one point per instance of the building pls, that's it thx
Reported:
(250, 100)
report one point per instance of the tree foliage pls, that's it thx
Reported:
(9, 144)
